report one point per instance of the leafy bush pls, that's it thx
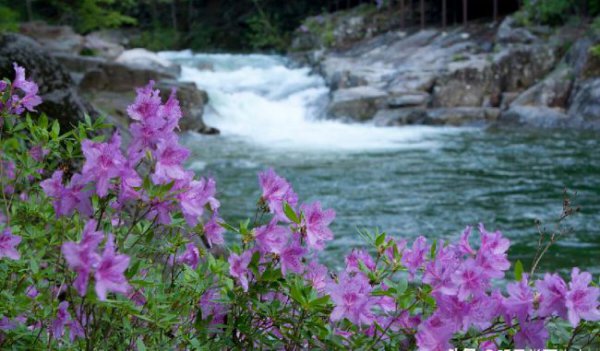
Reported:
(551, 12)
(101, 250)
(157, 39)
(10, 19)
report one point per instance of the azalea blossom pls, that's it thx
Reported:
(275, 192)
(8, 243)
(82, 257)
(109, 275)
(582, 299)
(238, 267)
(315, 222)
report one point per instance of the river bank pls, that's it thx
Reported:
(484, 73)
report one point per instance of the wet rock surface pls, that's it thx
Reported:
(481, 74)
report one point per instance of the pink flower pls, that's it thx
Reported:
(275, 191)
(414, 258)
(356, 256)
(464, 246)
(439, 271)
(291, 257)
(8, 243)
(191, 256)
(492, 255)
(155, 122)
(212, 308)
(434, 335)
(520, 301)
(170, 157)
(103, 162)
(532, 334)
(109, 275)
(38, 153)
(213, 231)
(67, 199)
(194, 196)
(30, 99)
(62, 318)
(315, 222)
(316, 275)
(553, 291)
(469, 280)
(238, 267)
(271, 238)
(352, 299)
(82, 257)
(395, 245)
(31, 292)
(581, 299)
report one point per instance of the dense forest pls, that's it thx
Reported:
(256, 24)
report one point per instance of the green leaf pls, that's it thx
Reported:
(518, 270)
(433, 249)
(321, 301)
(139, 343)
(380, 239)
(290, 213)
(402, 285)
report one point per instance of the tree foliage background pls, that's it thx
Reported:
(228, 25)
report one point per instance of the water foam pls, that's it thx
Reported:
(259, 99)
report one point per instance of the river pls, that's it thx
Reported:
(406, 181)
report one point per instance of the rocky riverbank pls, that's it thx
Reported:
(94, 74)
(484, 73)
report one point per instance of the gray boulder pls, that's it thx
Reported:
(509, 33)
(408, 99)
(57, 89)
(100, 74)
(54, 38)
(455, 116)
(585, 105)
(534, 116)
(359, 103)
(553, 91)
(466, 84)
(145, 59)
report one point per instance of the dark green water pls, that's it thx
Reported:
(506, 179)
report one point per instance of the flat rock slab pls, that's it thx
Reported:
(358, 103)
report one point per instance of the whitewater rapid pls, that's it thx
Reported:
(260, 99)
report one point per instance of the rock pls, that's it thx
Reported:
(519, 67)
(408, 99)
(586, 103)
(100, 74)
(466, 84)
(399, 117)
(359, 103)
(457, 116)
(97, 45)
(508, 33)
(148, 60)
(58, 91)
(460, 116)
(53, 38)
(345, 80)
(534, 116)
(507, 99)
(553, 91)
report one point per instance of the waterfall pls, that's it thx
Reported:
(261, 100)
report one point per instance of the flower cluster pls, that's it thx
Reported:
(21, 95)
(135, 223)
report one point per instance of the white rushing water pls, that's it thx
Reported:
(261, 100)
